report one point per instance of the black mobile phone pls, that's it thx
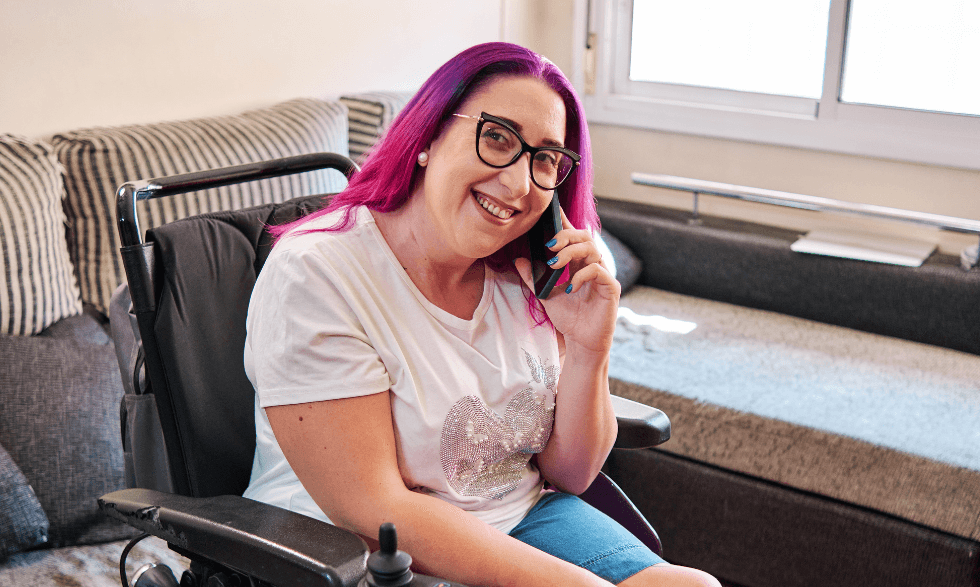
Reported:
(543, 231)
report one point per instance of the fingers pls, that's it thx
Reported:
(595, 273)
(575, 248)
(576, 256)
(578, 250)
(569, 235)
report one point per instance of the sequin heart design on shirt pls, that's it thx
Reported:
(484, 454)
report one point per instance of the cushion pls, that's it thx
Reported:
(99, 160)
(370, 114)
(753, 265)
(880, 422)
(23, 524)
(60, 423)
(626, 266)
(89, 326)
(37, 286)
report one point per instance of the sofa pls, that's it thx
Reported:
(60, 380)
(801, 474)
(825, 411)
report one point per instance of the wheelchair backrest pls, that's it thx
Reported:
(203, 270)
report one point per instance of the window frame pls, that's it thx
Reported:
(601, 74)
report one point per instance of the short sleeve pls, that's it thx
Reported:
(305, 338)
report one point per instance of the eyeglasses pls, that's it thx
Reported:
(499, 145)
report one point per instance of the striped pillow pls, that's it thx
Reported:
(37, 284)
(98, 160)
(370, 113)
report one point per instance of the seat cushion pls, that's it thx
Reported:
(876, 421)
(99, 160)
(37, 286)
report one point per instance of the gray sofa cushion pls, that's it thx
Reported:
(628, 266)
(90, 326)
(37, 286)
(23, 523)
(99, 160)
(60, 423)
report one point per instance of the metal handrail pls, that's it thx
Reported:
(777, 198)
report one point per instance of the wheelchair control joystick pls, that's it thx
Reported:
(388, 567)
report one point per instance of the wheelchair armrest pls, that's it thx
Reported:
(640, 426)
(256, 539)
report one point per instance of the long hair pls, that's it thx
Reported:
(388, 175)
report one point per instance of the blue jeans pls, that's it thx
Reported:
(566, 527)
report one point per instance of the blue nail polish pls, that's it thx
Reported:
(552, 260)
(551, 243)
(569, 288)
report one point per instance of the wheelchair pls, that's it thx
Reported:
(188, 414)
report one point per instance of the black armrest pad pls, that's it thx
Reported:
(640, 426)
(253, 538)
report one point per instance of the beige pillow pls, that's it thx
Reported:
(37, 284)
(99, 160)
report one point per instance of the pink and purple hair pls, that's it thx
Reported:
(389, 174)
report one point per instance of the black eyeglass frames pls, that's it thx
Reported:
(499, 145)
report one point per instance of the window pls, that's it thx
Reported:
(923, 59)
(731, 45)
(881, 78)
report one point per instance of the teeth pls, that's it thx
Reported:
(489, 207)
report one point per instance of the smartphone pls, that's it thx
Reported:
(543, 231)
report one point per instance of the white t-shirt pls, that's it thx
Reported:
(334, 315)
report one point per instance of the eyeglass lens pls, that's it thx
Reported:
(499, 146)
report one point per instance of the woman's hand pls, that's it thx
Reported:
(582, 309)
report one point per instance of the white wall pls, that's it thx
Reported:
(546, 26)
(71, 63)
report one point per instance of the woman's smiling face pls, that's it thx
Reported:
(475, 209)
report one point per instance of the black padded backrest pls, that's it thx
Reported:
(207, 266)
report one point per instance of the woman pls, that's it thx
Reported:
(404, 371)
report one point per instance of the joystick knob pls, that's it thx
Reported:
(389, 567)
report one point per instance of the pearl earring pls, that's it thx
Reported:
(423, 158)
